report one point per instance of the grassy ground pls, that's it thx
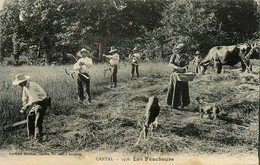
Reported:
(113, 121)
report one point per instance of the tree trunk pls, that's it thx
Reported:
(47, 57)
(100, 51)
(47, 49)
(17, 57)
(1, 49)
(16, 48)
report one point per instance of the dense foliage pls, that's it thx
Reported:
(204, 24)
(45, 31)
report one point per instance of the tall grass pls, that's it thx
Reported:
(61, 87)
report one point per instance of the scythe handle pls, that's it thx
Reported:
(246, 66)
(66, 72)
(72, 75)
(15, 124)
(83, 75)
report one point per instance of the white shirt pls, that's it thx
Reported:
(196, 60)
(32, 93)
(114, 59)
(87, 64)
(135, 57)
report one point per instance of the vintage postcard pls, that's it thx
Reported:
(129, 82)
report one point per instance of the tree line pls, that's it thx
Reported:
(46, 31)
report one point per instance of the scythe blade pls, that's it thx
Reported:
(16, 124)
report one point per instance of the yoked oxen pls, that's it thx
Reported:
(230, 55)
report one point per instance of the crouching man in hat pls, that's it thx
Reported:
(82, 66)
(35, 100)
(113, 60)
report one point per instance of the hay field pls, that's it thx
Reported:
(112, 122)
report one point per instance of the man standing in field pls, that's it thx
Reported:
(134, 57)
(82, 66)
(35, 100)
(113, 60)
(196, 61)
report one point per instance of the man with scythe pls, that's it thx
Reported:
(134, 57)
(82, 66)
(35, 100)
(113, 60)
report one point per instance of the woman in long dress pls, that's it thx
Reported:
(178, 91)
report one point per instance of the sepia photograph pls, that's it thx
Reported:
(144, 82)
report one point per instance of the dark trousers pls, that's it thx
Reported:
(83, 82)
(135, 67)
(197, 68)
(35, 118)
(114, 76)
(178, 92)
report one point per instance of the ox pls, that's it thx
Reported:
(230, 55)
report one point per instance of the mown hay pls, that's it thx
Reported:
(114, 119)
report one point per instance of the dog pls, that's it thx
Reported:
(209, 108)
(151, 114)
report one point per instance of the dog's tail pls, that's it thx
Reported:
(222, 112)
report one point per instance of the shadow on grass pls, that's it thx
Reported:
(202, 133)
(246, 107)
(141, 98)
(231, 120)
(186, 109)
(189, 129)
(124, 122)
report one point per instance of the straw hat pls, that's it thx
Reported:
(19, 78)
(112, 49)
(135, 49)
(197, 53)
(179, 47)
(83, 50)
